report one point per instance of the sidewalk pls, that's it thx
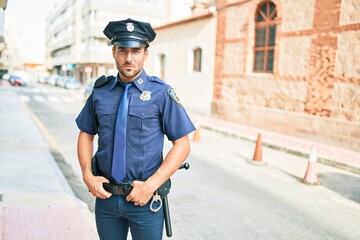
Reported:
(36, 202)
(330, 155)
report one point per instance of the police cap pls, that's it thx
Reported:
(130, 33)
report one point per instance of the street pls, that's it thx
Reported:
(221, 196)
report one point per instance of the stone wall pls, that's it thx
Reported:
(314, 91)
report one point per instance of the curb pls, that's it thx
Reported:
(322, 160)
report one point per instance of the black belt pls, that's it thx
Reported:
(118, 189)
(124, 189)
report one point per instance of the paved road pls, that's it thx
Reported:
(222, 196)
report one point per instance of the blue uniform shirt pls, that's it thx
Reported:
(154, 110)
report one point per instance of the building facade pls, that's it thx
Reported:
(290, 66)
(3, 69)
(76, 45)
(286, 66)
(183, 55)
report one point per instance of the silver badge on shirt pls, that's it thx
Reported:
(145, 95)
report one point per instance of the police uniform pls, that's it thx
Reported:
(154, 111)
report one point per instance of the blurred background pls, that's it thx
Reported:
(272, 83)
(287, 66)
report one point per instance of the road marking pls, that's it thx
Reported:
(67, 99)
(63, 90)
(44, 90)
(53, 99)
(52, 90)
(78, 96)
(24, 98)
(35, 90)
(39, 98)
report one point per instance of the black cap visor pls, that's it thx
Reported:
(129, 44)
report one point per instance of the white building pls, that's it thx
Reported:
(75, 43)
(183, 55)
(2, 39)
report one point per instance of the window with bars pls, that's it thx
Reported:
(197, 59)
(265, 30)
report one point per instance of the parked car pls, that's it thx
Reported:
(43, 77)
(15, 80)
(52, 80)
(61, 81)
(72, 83)
(6, 77)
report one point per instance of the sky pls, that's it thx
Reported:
(25, 27)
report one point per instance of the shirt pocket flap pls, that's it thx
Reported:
(102, 110)
(142, 112)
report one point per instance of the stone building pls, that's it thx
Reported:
(290, 66)
(287, 66)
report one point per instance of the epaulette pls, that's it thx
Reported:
(101, 81)
(156, 79)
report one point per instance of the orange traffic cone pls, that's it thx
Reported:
(310, 174)
(196, 135)
(258, 156)
(258, 149)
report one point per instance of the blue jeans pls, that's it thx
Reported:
(115, 215)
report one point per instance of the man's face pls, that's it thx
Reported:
(129, 61)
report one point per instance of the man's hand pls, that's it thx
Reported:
(95, 185)
(141, 193)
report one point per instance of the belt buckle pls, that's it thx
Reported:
(125, 187)
(113, 189)
(119, 190)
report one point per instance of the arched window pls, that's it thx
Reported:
(197, 59)
(265, 29)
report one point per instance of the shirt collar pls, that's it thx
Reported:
(140, 82)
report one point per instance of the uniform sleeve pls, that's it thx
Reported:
(86, 120)
(175, 120)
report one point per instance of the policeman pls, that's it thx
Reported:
(131, 112)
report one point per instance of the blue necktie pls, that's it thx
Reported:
(118, 169)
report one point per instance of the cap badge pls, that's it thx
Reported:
(145, 95)
(130, 27)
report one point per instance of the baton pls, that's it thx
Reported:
(167, 220)
(167, 217)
